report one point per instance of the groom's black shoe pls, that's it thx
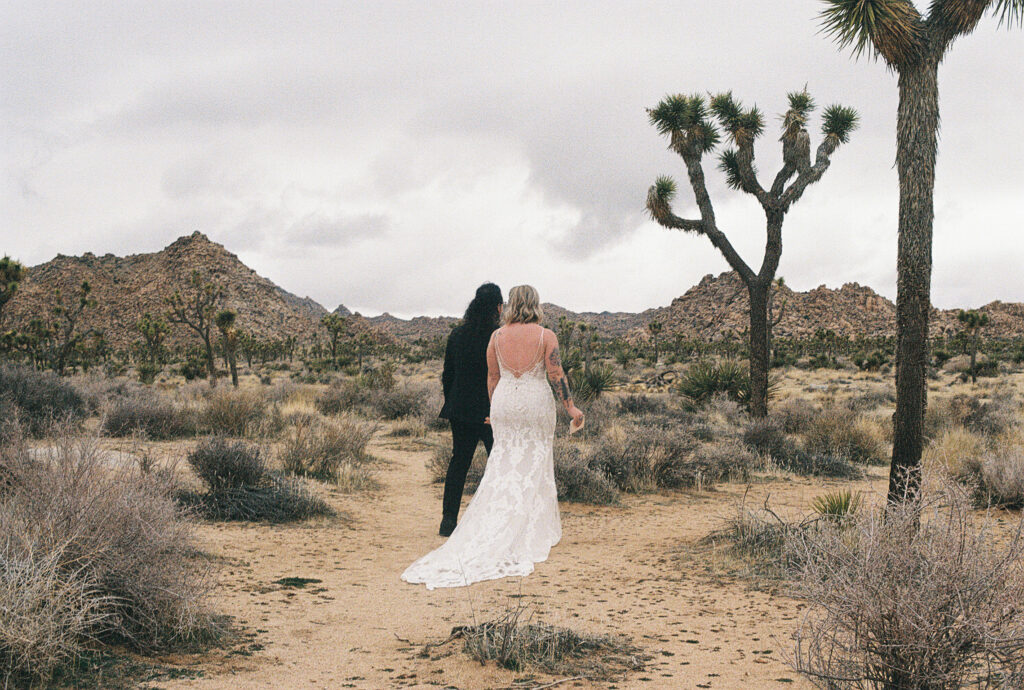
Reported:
(447, 526)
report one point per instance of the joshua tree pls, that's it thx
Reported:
(196, 309)
(67, 314)
(336, 325)
(655, 329)
(364, 345)
(153, 330)
(11, 273)
(912, 45)
(586, 342)
(773, 319)
(973, 322)
(225, 320)
(687, 122)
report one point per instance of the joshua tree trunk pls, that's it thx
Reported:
(917, 129)
(974, 357)
(234, 369)
(759, 350)
(211, 361)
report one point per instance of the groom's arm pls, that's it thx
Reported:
(448, 373)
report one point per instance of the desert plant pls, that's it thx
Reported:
(333, 451)
(996, 477)
(577, 481)
(901, 601)
(913, 46)
(39, 397)
(234, 412)
(515, 642)
(154, 415)
(11, 274)
(687, 123)
(239, 486)
(196, 310)
(851, 436)
(837, 505)
(96, 552)
(225, 321)
(704, 379)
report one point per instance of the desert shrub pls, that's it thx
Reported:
(441, 456)
(40, 397)
(222, 464)
(149, 413)
(760, 538)
(239, 486)
(100, 392)
(705, 379)
(871, 399)
(642, 405)
(379, 378)
(92, 551)
(908, 603)
(577, 481)
(837, 505)
(996, 477)
(850, 436)
(642, 458)
(990, 418)
(344, 395)
(332, 451)
(397, 402)
(768, 437)
(822, 464)
(515, 642)
(796, 415)
(723, 460)
(234, 412)
(587, 386)
(951, 448)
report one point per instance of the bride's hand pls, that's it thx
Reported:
(576, 414)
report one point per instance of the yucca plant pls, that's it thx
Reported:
(691, 124)
(837, 505)
(912, 45)
(706, 378)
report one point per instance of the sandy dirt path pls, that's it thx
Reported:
(636, 570)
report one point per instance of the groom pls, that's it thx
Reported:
(466, 403)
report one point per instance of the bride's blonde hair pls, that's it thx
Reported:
(523, 306)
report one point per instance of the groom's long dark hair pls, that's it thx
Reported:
(481, 316)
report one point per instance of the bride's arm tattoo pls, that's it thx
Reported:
(554, 359)
(563, 391)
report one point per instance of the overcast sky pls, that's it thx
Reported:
(391, 156)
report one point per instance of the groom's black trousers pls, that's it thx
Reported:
(465, 436)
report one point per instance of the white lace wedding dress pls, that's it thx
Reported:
(512, 521)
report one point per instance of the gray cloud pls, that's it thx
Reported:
(506, 139)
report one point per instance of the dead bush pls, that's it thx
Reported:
(157, 417)
(854, 437)
(895, 605)
(996, 477)
(577, 481)
(92, 551)
(234, 412)
(333, 451)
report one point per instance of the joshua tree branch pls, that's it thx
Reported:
(809, 175)
(748, 177)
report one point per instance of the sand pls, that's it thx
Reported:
(639, 570)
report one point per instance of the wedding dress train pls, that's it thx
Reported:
(512, 521)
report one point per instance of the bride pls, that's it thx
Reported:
(512, 521)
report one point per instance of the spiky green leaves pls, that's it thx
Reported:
(659, 197)
(742, 125)
(890, 28)
(838, 122)
(1010, 12)
(685, 120)
(729, 163)
(801, 102)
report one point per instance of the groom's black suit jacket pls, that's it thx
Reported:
(464, 378)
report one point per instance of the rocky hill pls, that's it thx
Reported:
(126, 287)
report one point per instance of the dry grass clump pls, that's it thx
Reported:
(233, 412)
(331, 451)
(855, 437)
(990, 417)
(796, 415)
(366, 397)
(895, 606)
(515, 642)
(577, 481)
(441, 456)
(91, 552)
(995, 477)
(768, 437)
(39, 398)
(150, 413)
(239, 486)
